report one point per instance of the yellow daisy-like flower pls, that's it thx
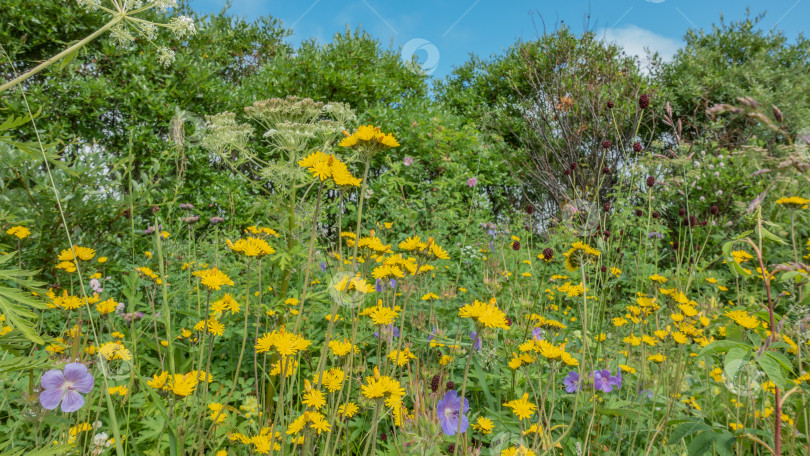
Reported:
(658, 278)
(340, 348)
(401, 357)
(119, 390)
(312, 397)
(519, 450)
(332, 379)
(370, 138)
(81, 253)
(486, 314)
(579, 254)
(743, 319)
(213, 278)
(115, 350)
(20, 232)
(252, 247)
(383, 387)
(380, 314)
(483, 425)
(522, 408)
(793, 202)
(218, 415)
(285, 343)
(348, 410)
(657, 358)
(67, 302)
(212, 325)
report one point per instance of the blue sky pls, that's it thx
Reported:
(443, 33)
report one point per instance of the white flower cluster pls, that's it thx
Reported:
(183, 26)
(165, 4)
(89, 5)
(165, 56)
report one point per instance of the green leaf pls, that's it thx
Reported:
(701, 444)
(770, 236)
(722, 346)
(772, 369)
(735, 360)
(686, 429)
(68, 58)
(724, 443)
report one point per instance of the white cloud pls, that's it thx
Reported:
(635, 39)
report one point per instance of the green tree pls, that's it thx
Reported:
(739, 59)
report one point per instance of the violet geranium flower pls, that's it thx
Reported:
(64, 387)
(603, 381)
(572, 382)
(451, 413)
(476, 340)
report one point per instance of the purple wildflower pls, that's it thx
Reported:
(476, 340)
(408, 161)
(471, 182)
(537, 334)
(432, 335)
(603, 381)
(451, 410)
(64, 387)
(392, 283)
(215, 220)
(323, 266)
(391, 331)
(572, 382)
(379, 287)
(655, 234)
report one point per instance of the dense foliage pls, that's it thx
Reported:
(212, 242)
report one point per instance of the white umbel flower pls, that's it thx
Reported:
(183, 26)
(165, 56)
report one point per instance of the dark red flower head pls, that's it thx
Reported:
(644, 101)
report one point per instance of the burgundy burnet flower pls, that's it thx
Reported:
(450, 385)
(714, 210)
(605, 170)
(610, 104)
(656, 214)
(644, 101)
(650, 181)
(567, 172)
(64, 387)
(606, 144)
(434, 383)
(639, 212)
(548, 253)
(606, 207)
(637, 147)
(516, 245)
